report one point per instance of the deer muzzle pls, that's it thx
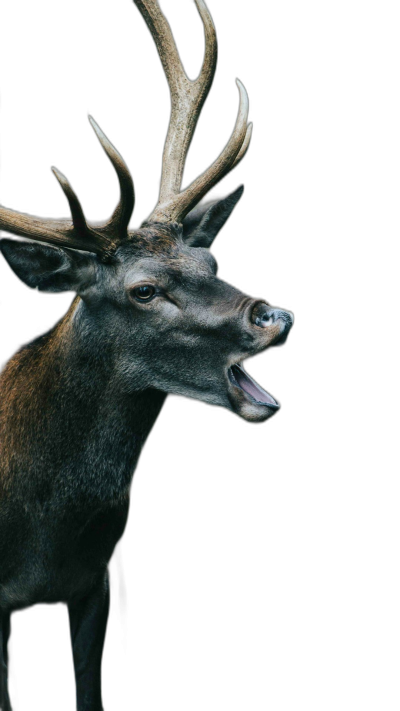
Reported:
(247, 397)
(277, 321)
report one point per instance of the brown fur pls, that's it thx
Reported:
(25, 383)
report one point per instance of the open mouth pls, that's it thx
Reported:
(252, 390)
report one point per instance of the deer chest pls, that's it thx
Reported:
(48, 556)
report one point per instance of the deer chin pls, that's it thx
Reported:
(247, 398)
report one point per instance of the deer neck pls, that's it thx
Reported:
(64, 409)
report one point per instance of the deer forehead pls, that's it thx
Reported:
(176, 266)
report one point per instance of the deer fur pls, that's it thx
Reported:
(150, 317)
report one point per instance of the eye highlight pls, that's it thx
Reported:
(144, 292)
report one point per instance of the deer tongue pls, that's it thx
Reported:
(250, 387)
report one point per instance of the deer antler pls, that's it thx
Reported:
(187, 99)
(77, 234)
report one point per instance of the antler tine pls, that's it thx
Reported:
(187, 96)
(78, 218)
(123, 212)
(179, 206)
(187, 99)
(245, 146)
(100, 239)
(75, 234)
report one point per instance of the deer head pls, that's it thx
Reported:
(151, 296)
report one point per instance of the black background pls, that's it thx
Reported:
(223, 559)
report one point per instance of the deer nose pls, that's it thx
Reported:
(264, 315)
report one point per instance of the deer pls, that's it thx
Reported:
(149, 317)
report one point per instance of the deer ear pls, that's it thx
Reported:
(202, 224)
(49, 268)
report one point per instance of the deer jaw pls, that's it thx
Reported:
(191, 333)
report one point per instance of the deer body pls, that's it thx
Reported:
(65, 487)
(151, 317)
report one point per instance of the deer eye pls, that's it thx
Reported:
(145, 292)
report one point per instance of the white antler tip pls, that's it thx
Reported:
(59, 175)
(242, 88)
(96, 128)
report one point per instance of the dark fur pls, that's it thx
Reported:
(78, 403)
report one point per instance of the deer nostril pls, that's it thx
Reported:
(260, 314)
(264, 320)
(264, 315)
